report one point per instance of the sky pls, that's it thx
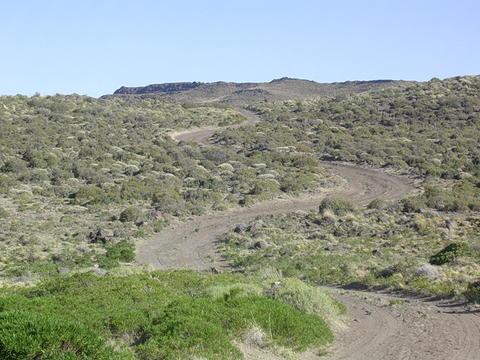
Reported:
(95, 46)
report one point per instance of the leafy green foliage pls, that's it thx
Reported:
(123, 251)
(428, 129)
(30, 335)
(376, 204)
(473, 292)
(448, 254)
(130, 214)
(153, 315)
(307, 298)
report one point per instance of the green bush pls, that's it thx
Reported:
(3, 213)
(338, 206)
(168, 200)
(376, 204)
(448, 254)
(413, 204)
(123, 251)
(32, 335)
(307, 298)
(164, 315)
(473, 292)
(89, 195)
(14, 165)
(130, 214)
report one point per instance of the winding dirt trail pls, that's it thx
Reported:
(378, 328)
(191, 244)
(203, 134)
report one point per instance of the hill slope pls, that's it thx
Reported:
(239, 93)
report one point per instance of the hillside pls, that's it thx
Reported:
(241, 93)
(82, 181)
(193, 220)
(429, 131)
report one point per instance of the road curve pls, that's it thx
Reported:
(377, 328)
(191, 244)
(203, 134)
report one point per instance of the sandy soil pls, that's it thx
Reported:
(390, 327)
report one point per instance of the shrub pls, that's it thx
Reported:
(3, 213)
(30, 335)
(307, 298)
(264, 187)
(448, 254)
(338, 206)
(413, 204)
(6, 182)
(226, 291)
(130, 214)
(294, 183)
(156, 315)
(123, 251)
(473, 292)
(168, 200)
(376, 204)
(89, 195)
(14, 165)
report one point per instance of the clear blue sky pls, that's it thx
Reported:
(94, 46)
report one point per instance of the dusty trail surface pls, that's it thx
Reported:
(203, 134)
(389, 327)
(380, 326)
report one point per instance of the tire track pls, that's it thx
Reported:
(423, 329)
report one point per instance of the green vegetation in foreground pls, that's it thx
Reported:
(160, 315)
(384, 245)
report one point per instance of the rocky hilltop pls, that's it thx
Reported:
(166, 88)
(238, 93)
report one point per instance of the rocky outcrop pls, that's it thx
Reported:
(166, 88)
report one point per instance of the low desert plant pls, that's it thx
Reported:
(3, 213)
(376, 204)
(130, 214)
(448, 254)
(473, 292)
(338, 206)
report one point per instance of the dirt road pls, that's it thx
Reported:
(191, 244)
(203, 134)
(389, 327)
(380, 326)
